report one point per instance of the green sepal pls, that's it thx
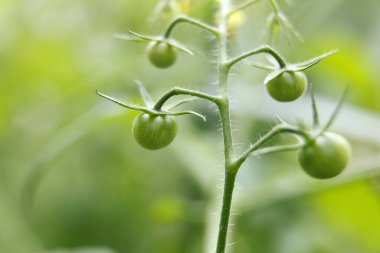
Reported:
(288, 27)
(297, 67)
(314, 108)
(144, 94)
(274, 74)
(262, 66)
(282, 121)
(277, 23)
(179, 46)
(178, 103)
(148, 110)
(336, 110)
(311, 62)
(143, 37)
(184, 113)
(129, 106)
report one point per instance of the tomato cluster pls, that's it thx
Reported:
(287, 86)
(326, 156)
(161, 54)
(154, 131)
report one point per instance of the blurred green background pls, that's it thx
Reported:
(72, 179)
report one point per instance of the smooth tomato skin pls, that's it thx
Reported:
(154, 131)
(287, 86)
(326, 156)
(161, 54)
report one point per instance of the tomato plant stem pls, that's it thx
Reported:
(229, 182)
(224, 103)
(224, 110)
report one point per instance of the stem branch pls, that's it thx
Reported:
(263, 49)
(192, 21)
(181, 91)
(273, 132)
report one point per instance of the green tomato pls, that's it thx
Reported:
(326, 156)
(154, 131)
(161, 54)
(288, 86)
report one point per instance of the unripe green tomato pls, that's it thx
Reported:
(288, 86)
(326, 156)
(154, 131)
(161, 54)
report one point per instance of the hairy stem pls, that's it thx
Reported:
(224, 110)
(231, 164)
(229, 183)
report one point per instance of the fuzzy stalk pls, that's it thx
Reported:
(224, 110)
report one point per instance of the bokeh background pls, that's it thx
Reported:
(72, 179)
